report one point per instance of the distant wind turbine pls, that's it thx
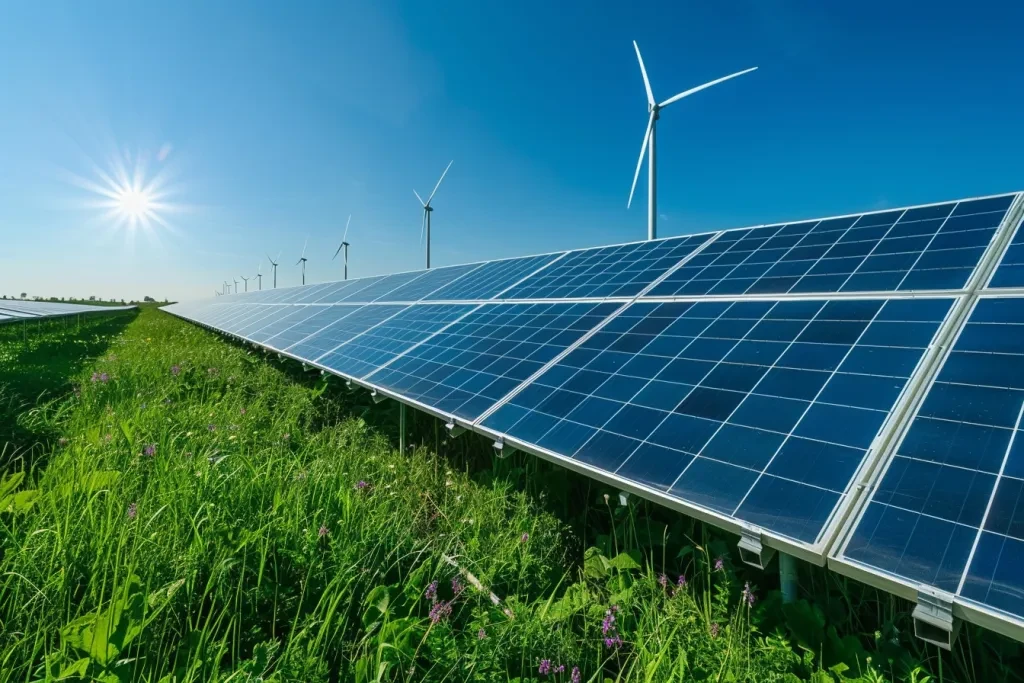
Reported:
(236, 285)
(246, 281)
(259, 275)
(648, 145)
(303, 259)
(425, 227)
(345, 245)
(227, 287)
(273, 262)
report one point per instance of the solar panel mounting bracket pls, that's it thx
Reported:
(623, 498)
(753, 551)
(501, 449)
(377, 397)
(454, 429)
(933, 618)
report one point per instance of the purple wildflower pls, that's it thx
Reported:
(440, 611)
(545, 667)
(560, 669)
(524, 538)
(323, 531)
(663, 581)
(104, 377)
(175, 370)
(431, 592)
(714, 630)
(608, 624)
(457, 586)
(150, 450)
(719, 564)
(613, 641)
(748, 595)
(576, 676)
(133, 510)
(481, 634)
(362, 485)
(95, 377)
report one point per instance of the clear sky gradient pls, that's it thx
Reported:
(265, 122)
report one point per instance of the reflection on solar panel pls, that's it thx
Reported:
(757, 378)
(619, 271)
(466, 368)
(949, 509)
(377, 346)
(932, 247)
(731, 406)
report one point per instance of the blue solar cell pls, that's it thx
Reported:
(303, 327)
(946, 511)
(684, 392)
(380, 288)
(619, 271)
(292, 316)
(428, 282)
(396, 335)
(1010, 271)
(475, 362)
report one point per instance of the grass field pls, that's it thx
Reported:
(175, 507)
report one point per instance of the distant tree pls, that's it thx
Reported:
(24, 295)
(122, 300)
(148, 299)
(92, 298)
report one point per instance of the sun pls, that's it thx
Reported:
(133, 203)
(129, 197)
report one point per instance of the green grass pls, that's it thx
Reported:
(203, 513)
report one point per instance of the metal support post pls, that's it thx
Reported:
(401, 427)
(787, 578)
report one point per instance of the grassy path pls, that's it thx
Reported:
(207, 515)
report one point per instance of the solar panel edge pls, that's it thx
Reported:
(1014, 224)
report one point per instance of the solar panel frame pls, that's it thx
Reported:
(1012, 255)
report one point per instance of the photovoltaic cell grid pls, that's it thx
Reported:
(949, 509)
(304, 327)
(620, 271)
(19, 308)
(925, 248)
(760, 411)
(343, 329)
(491, 278)
(377, 346)
(469, 366)
(1010, 272)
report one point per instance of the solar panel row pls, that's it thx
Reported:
(749, 376)
(14, 310)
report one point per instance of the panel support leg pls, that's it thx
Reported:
(401, 427)
(787, 578)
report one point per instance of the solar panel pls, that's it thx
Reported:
(466, 368)
(1010, 272)
(293, 315)
(428, 282)
(321, 317)
(491, 278)
(381, 287)
(925, 248)
(731, 406)
(619, 271)
(343, 328)
(15, 310)
(375, 347)
(948, 509)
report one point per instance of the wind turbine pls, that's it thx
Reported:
(236, 285)
(303, 259)
(425, 227)
(246, 281)
(274, 263)
(648, 146)
(345, 245)
(227, 287)
(259, 275)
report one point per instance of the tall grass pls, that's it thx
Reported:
(207, 515)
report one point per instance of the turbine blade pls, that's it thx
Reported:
(440, 179)
(640, 161)
(339, 250)
(643, 72)
(419, 197)
(423, 226)
(304, 245)
(298, 262)
(345, 236)
(687, 93)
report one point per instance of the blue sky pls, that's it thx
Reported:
(275, 121)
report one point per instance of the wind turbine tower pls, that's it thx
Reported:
(274, 264)
(427, 209)
(344, 245)
(259, 275)
(654, 107)
(236, 285)
(303, 259)
(246, 281)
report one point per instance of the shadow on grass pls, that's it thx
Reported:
(38, 360)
